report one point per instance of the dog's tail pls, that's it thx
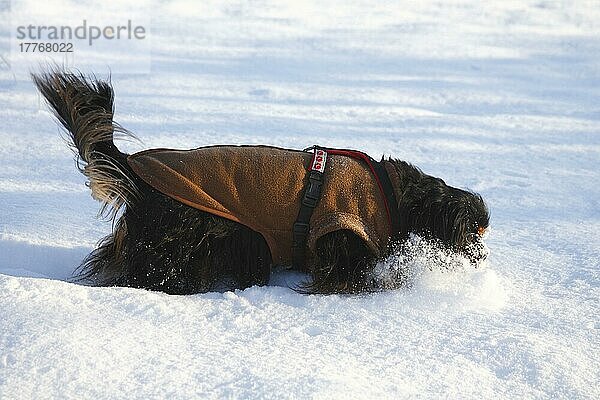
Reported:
(85, 108)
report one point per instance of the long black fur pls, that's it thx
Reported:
(160, 244)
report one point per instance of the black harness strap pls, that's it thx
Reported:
(311, 197)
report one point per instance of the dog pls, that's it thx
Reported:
(215, 217)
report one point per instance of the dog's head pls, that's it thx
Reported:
(456, 218)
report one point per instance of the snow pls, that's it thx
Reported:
(500, 97)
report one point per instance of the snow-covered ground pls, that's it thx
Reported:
(500, 97)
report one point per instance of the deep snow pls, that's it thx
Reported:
(502, 98)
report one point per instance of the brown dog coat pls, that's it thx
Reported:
(262, 187)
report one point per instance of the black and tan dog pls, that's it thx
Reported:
(222, 216)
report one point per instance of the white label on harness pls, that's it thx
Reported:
(319, 160)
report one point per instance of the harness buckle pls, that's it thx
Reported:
(313, 191)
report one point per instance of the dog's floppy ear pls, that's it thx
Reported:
(424, 209)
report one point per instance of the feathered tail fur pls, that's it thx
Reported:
(85, 109)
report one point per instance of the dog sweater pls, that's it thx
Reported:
(262, 187)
